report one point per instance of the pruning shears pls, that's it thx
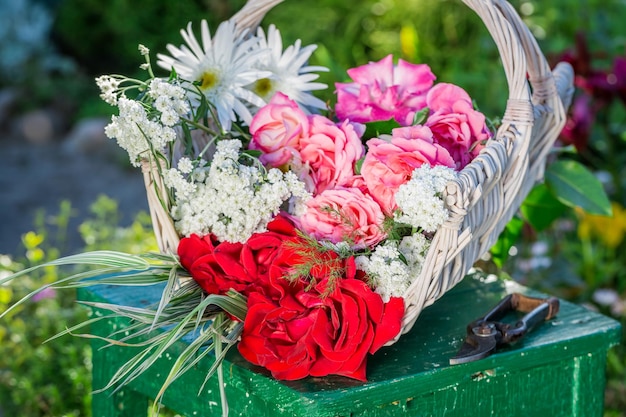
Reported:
(485, 334)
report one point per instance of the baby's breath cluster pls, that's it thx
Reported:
(136, 132)
(419, 200)
(108, 86)
(169, 100)
(393, 266)
(230, 199)
(147, 124)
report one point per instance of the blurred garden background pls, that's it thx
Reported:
(64, 188)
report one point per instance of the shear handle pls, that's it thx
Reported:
(527, 304)
(520, 302)
(537, 309)
(545, 311)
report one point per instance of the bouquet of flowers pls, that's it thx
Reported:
(320, 218)
(307, 235)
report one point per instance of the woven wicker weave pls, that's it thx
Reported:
(489, 190)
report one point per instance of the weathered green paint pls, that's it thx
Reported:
(557, 370)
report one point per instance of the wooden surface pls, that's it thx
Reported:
(557, 370)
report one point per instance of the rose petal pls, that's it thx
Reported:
(391, 323)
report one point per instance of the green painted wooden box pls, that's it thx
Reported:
(557, 370)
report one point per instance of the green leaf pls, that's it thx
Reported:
(541, 208)
(375, 129)
(188, 139)
(575, 186)
(253, 153)
(173, 75)
(506, 240)
(421, 116)
(358, 166)
(202, 109)
(117, 268)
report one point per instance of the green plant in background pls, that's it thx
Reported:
(592, 241)
(39, 379)
(102, 36)
(100, 232)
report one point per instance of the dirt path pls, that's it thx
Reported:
(40, 176)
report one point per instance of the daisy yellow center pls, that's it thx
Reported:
(263, 87)
(208, 80)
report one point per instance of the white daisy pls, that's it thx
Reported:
(222, 66)
(290, 75)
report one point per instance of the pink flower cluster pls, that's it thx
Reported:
(350, 205)
(382, 91)
(324, 154)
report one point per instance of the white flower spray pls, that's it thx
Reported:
(420, 199)
(147, 125)
(394, 265)
(233, 200)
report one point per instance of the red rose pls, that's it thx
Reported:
(297, 255)
(218, 267)
(197, 256)
(313, 333)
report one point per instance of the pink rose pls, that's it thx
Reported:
(382, 91)
(276, 130)
(331, 151)
(455, 124)
(389, 164)
(344, 214)
(356, 181)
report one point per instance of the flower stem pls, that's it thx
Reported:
(199, 126)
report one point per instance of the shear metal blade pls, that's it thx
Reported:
(473, 349)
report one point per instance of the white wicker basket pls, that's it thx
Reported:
(492, 187)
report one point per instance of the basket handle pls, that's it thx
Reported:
(506, 37)
(545, 82)
(162, 223)
(552, 91)
(251, 14)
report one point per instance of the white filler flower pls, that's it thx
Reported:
(234, 200)
(135, 132)
(420, 199)
(393, 267)
(142, 125)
